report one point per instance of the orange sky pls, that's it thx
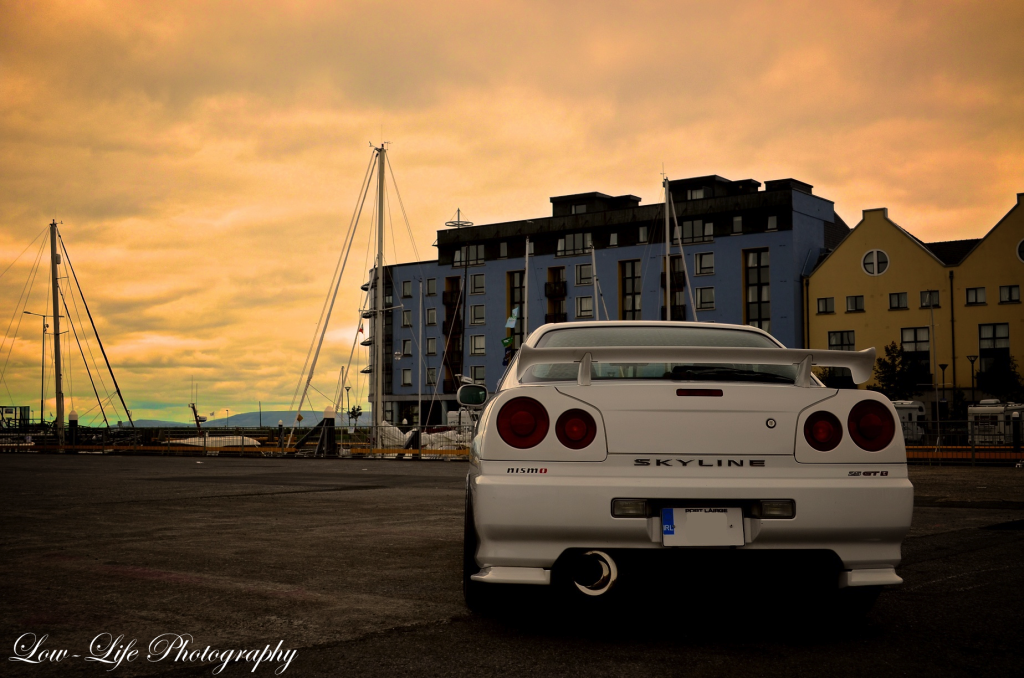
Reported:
(204, 157)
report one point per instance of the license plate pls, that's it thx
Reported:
(702, 527)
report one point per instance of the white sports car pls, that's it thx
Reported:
(613, 442)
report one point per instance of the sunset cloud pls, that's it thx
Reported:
(204, 157)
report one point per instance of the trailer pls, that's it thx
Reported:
(991, 422)
(913, 419)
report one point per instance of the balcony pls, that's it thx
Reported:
(452, 326)
(367, 342)
(555, 317)
(678, 279)
(450, 297)
(368, 313)
(450, 386)
(554, 290)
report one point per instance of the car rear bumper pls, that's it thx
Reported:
(529, 521)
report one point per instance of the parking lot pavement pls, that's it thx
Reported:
(357, 565)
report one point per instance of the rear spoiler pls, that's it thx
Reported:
(860, 363)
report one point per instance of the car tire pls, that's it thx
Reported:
(856, 601)
(479, 597)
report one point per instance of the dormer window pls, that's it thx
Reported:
(579, 209)
(695, 194)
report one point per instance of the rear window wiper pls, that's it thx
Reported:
(718, 373)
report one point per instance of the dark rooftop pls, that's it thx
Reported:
(952, 252)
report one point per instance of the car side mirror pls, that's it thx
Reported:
(471, 395)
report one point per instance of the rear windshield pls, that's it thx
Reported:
(660, 336)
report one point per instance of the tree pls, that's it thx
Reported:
(898, 378)
(1002, 380)
(353, 414)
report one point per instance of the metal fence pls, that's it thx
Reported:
(962, 442)
(380, 442)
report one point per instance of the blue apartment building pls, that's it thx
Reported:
(747, 253)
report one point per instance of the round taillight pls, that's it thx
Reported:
(823, 431)
(575, 429)
(871, 425)
(522, 422)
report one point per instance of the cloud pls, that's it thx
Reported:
(205, 157)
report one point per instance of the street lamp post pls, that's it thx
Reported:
(227, 417)
(972, 358)
(943, 366)
(42, 365)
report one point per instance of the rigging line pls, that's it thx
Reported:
(99, 372)
(447, 341)
(363, 188)
(23, 252)
(644, 261)
(84, 361)
(347, 247)
(92, 322)
(23, 299)
(405, 216)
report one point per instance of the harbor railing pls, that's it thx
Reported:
(361, 442)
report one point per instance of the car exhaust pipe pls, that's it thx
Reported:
(595, 573)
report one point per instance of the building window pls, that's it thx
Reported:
(1020, 250)
(579, 209)
(855, 304)
(515, 300)
(406, 289)
(406, 318)
(630, 286)
(431, 316)
(584, 307)
(916, 345)
(705, 298)
(875, 262)
(826, 305)
(431, 346)
(1009, 294)
(642, 236)
(695, 194)
(406, 346)
(613, 240)
(975, 295)
(993, 345)
(930, 299)
(476, 283)
(897, 301)
(529, 248)
(406, 377)
(698, 231)
(476, 344)
(706, 263)
(469, 255)
(737, 224)
(574, 243)
(431, 287)
(584, 274)
(841, 341)
(758, 289)
(478, 374)
(773, 223)
(431, 376)
(503, 250)
(476, 314)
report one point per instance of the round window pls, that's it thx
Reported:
(1020, 250)
(875, 262)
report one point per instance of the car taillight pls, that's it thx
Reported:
(823, 431)
(575, 429)
(522, 422)
(871, 425)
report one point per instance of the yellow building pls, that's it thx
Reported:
(941, 301)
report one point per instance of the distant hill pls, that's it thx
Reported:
(252, 420)
(156, 423)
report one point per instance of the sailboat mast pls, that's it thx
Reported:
(668, 257)
(58, 386)
(378, 317)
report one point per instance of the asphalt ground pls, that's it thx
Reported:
(356, 565)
